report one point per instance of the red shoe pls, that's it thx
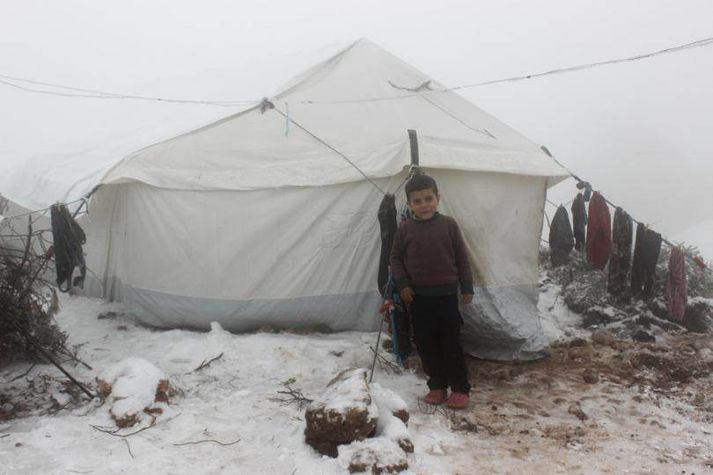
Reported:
(458, 400)
(436, 397)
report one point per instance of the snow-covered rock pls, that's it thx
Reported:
(373, 456)
(343, 414)
(135, 389)
(393, 416)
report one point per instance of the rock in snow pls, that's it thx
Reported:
(345, 413)
(135, 389)
(350, 411)
(374, 456)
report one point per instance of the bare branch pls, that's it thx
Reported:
(385, 364)
(128, 447)
(114, 432)
(292, 395)
(205, 363)
(25, 373)
(207, 440)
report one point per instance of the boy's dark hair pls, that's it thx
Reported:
(420, 182)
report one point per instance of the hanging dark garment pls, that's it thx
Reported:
(598, 232)
(676, 285)
(584, 185)
(387, 223)
(579, 222)
(587, 192)
(646, 255)
(620, 257)
(561, 239)
(68, 238)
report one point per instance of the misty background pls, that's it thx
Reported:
(641, 132)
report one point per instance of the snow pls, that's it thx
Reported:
(227, 419)
(389, 426)
(387, 399)
(133, 387)
(346, 391)
(389, 453)
(557, 320)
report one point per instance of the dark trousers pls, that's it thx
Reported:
(437, 323)
(402, 333)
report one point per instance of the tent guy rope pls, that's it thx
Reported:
(266, 105)
(424, 89)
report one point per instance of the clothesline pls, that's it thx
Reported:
(632, 218)
(45, 87)
(585, 183)
(42, 211)
(669, 243)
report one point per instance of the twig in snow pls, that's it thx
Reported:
(115, 433)
(293, 395)
(431, 409)
(128, 447)
(385, 363)
(106, 430)
(23, 374)
(205, 363)
(207, 440)
(72, 354)
(4, 435)
(426, 408)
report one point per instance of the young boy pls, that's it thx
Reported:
(429, 262)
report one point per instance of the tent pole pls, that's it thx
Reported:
(413, 141)
(376, 350)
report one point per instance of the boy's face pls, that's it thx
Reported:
(423, 203)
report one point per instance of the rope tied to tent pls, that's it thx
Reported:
(83, 201)
(266, 105)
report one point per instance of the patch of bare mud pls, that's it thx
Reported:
(595, 393)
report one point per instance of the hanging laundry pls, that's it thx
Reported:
(579, 222)
(620, 257)
(699, 262)
(387, 223)
(587, 189)
(598, 232)
(561, 239)
(676, 285)
(646, 255)
(68, 238)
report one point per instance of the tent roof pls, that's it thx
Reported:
(361, 101)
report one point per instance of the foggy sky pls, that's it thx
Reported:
(641, 132)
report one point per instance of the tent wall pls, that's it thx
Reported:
(501, 219)
(289, 257)
(308, 256)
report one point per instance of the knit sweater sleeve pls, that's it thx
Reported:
(465, 274)
(396, 260)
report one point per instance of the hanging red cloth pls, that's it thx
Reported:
(676, 285)
(598, 232)
(699, 262)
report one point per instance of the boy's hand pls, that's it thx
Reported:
(467, 298)
(407, 295)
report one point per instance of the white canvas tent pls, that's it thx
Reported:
(252, 221)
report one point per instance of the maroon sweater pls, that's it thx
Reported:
(430, 256)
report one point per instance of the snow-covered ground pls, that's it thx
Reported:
(528, 421)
